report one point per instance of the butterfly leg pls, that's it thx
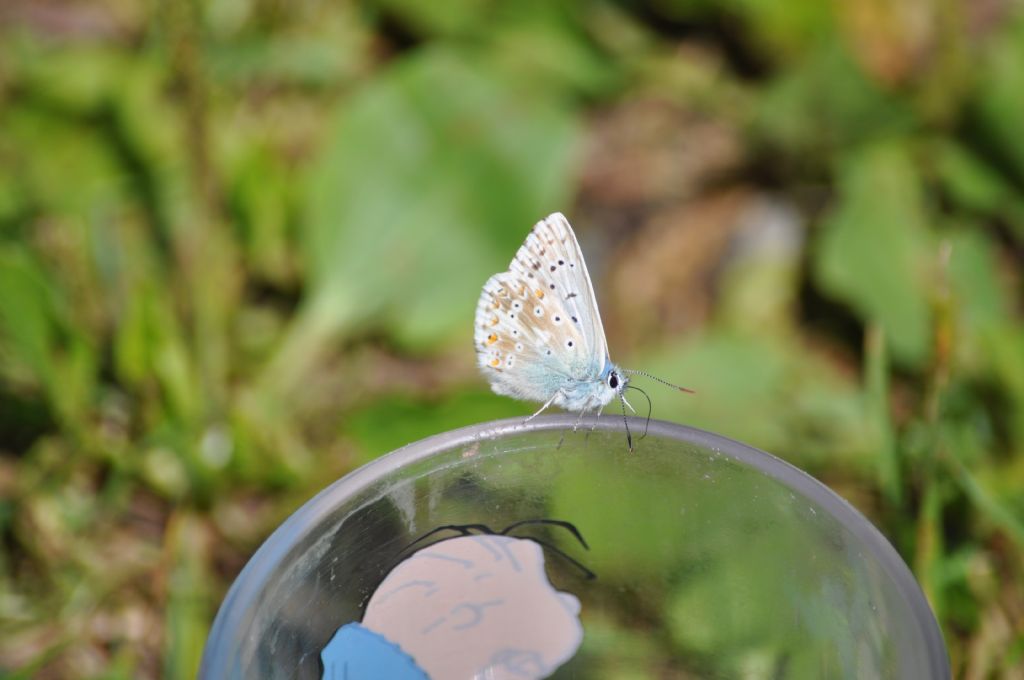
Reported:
(545, 406)
(600, 409)
(579, 420)
(575, 427)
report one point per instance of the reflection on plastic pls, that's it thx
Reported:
(472, 606)
(713, 560)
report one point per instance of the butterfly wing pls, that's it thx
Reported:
(537, 325)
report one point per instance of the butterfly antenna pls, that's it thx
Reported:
(646, 424)
(625, 421)
(663, 382)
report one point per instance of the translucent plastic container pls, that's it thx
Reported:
(712, 559)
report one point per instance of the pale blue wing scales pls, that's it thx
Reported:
(551, 259)
(513, 351)
(538, 330)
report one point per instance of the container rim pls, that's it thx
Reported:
(242, 595)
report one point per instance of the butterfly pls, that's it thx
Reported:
(538, 331)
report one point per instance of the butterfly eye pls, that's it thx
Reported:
(613, 381)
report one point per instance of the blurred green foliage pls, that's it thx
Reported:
(241, 243)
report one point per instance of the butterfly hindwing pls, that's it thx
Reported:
(511, 347)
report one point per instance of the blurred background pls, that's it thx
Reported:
(241, 243)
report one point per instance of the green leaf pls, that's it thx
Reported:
(439, 18)
(787, 28)
(878, 412)
(769, 392)
(262, 199)
(825, 103)
(26, 312)
(985, 496)
(537, 44)
(149, 345)
(1004, 347)
(432, 177)
(433, 172)
(999, 101)
(187, 610)
(874, 249)
(37, 332)
(982, 301)
(319, 56)
(970, 181)
(391, 422)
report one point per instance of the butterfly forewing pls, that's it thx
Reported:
(556, 257)
(537, 325)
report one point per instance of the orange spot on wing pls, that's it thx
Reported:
(540, 293)
(494, 321)
(495, 362)
(492, 338)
